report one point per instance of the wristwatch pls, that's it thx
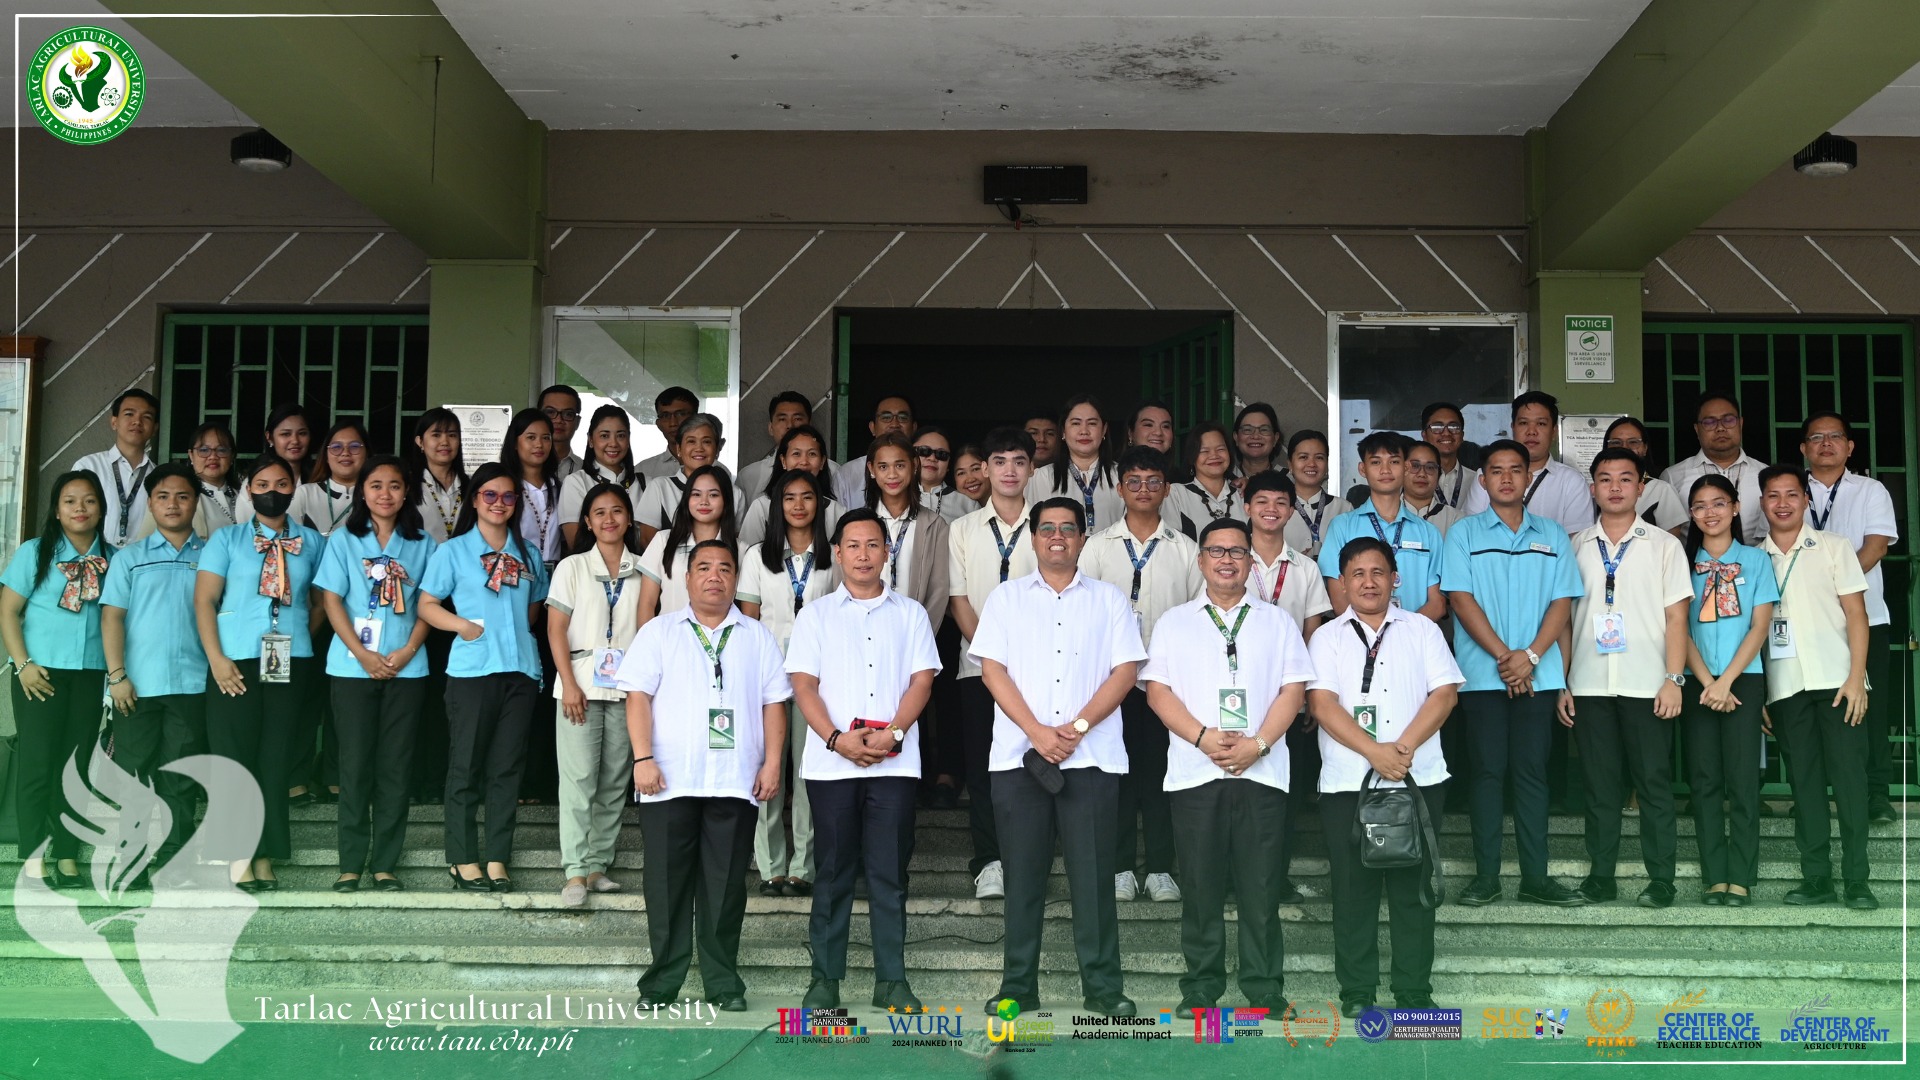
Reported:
(1532, 657)
(1262, 743)
(899, 736)
(1080, 725)
(1677, 678)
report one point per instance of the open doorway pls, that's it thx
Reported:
(971, 370)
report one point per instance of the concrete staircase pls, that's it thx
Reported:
(431, 938)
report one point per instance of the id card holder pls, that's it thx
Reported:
(1368, 717)
(276, 658)
(1610, 633)
(368, 631)
(1780, 640)
(606, 665)
(720, 730)
(1233, 709)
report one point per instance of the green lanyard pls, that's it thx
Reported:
(1781, 610)
(714, 651)
(1233, 651)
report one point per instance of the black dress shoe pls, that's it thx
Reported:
(1597, 890)
(770, 888)
(1480, 892)
(60, 879)
(1714, 899)
(944, 797)
(822, 994)
(1352, 1009)
(1419, 1001)
(1880, 811)
(731, 1003)
(1861, 898)
(796, 887)
(896, 996)
(1813, 891)
(1552, 894)
(305, 798)
(500, 884)
(1289, 893)
(1278, 1008)
(1657, 894)
(247, 886)
(1738, 899)
(1118, 1006)
(467, 884)
(1185, 1011)
(388, 884)
(652, 1001)
(266, 884)
(347, 885)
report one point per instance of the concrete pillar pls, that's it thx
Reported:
(1557, 294)
(484, 332)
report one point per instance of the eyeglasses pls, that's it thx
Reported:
(1423, 467)
(901, 417)
(1626, 444)
(669, 416)
(345, 447)
(933, 452)
(1819, 437)
(212, 451)
(1135, 483)
(555, 414)
(1437, 428)
(1217, 552)
(504, 498)
(1253, 429)
(1726, 420)
(1069, 529)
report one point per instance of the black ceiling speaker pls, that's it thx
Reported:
(258, 151)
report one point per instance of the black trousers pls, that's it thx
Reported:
(429, 781)
(1143, 797)
(944, 753)
(258, 730)
(1823, 749)
(1083, 813)
(316, 755)
(487, 718)
(540, 780)
(1356, 907)
(698, 851)
(1883, 766)
(856, 820)
(375, 720)
(51, 733)
(1303, 783)
(162, 730)
(1510, 737)
(1621, 741)
(1722, 749)
(1229, 831)
(976, 725)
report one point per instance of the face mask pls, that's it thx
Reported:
(272, 504)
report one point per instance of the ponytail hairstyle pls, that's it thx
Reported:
(1063, 460)
(1720, 483)
(683, 516)
(408, 523)
(612, 412)
(469, 518)
(772, 546)
(583, 539)
(51, 531)
(898, 442)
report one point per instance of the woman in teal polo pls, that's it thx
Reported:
(253, 607)
(50, 624)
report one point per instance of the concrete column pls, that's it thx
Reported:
(1556, 294)
(484, 328)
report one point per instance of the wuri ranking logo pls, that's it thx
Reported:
(85, 85)
(1221, 1025)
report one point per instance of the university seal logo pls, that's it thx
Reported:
(85, 85)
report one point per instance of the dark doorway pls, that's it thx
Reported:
(972, 370)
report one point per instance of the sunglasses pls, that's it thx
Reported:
(503, 498)
(933, 452)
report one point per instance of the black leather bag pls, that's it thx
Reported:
(1394, 831)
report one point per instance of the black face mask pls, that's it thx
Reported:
(272, 504)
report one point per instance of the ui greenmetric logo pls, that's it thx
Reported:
(85, 85)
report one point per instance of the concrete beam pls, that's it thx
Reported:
(1695, 104)
(396, 111)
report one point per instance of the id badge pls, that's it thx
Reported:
(1233, 709)
(1610, 632)
(1368, 717)
(606, 664)
(720, 733)
(368, 631)
(276, 658)
(1780, 640)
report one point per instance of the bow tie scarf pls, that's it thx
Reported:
(502, 570)
(388, 580)
(275, 582)
(83, 581)
(1722, 599)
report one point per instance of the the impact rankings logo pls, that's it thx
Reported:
(85, 85)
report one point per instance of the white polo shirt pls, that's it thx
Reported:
(974, 564)
(1745, 474)
(865, 653)
(899, 530)
(1189, 657)
(1857, 507)
(1308, 525)
(124, 484)
(1461, 490)
(660, 500)
(1560, 493)
(1438, 514)
(657, 466)
(1667, 507)
(539, 519)
(667, 663)
(1108, 507)
(758, 521)
(1188, 506)
(573, 491)
(850, 483)
(1413, 662)
(1302, 592)
(1058, 647)
(1652, 573)
(323, 507)
(1169, 576)
(653, 563)
(1815, 570)
(773, 589)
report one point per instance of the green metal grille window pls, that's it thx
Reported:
(1193, 374)
(1780, 373)
(235, 369)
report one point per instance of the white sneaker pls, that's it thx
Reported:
(1125, 886)
(1162, 890)
(574, 894)
(990, 883)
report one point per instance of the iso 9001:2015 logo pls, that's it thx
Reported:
(85, 85)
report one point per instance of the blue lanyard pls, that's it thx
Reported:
(1086, 489)
(799, 582)
(1319, 515)
(1006, 546)
(1612, 565)
(893, 550)
(1139, 563)
(1819, 517)
(1399, 526)
(613, 590)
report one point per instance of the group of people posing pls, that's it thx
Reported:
(1155, 658)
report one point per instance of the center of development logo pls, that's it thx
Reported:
(85, 85)
(1812, 1031)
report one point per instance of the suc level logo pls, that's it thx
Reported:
(85, 85)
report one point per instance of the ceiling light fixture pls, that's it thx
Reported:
(258, 151)
(1829, 155)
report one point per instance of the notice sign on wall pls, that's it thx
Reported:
(1589, 348)
(483, 431)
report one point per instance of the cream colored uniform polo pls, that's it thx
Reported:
(1653, 573)
(1817, 569)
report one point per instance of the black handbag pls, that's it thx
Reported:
(1394, 831)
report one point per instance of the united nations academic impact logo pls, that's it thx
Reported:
(85, 85)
